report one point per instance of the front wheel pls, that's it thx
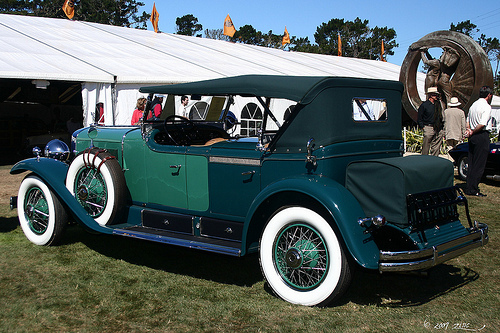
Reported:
(302, 259)
(41, 215)
(463, 166)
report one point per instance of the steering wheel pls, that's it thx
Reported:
(184, 139)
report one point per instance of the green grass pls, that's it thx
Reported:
(104, 283)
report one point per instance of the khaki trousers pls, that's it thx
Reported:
(432, 141)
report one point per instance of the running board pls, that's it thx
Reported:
(189, 241)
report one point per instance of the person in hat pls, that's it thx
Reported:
(454, 123)
(430, 120)
(157, 106)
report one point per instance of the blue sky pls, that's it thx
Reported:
(411, 19)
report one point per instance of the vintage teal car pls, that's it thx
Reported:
(323, 192)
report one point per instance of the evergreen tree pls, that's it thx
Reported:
(188, 25)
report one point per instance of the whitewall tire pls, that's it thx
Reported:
(41, 215)
(302, 259)
(96, 180)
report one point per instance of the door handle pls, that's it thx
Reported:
(173, 166)
(248, 173)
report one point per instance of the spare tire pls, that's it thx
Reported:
(96, 180)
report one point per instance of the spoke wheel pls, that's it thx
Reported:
(301, 256)
(96, 180)
(41, 215)
(36, 210)
(91, 193)
(302, 259)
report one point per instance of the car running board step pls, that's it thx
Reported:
(189, 241)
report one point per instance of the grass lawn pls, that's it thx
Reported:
(104, 283)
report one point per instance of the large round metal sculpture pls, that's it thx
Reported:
(460, 71)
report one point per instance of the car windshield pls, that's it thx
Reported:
(238, 116)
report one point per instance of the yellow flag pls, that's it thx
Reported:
(339, 42)
(286, 38)
(382, 51)
(69, 8)
(229, 29)
(155, 17)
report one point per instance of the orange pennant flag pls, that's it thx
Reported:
(229, 29)
(339, 42)
(154, 17)
(286, 38)
(69, 8)
(382, 51)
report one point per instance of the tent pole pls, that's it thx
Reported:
(113, 100)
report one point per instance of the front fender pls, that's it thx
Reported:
(339, 202)
(53, 173)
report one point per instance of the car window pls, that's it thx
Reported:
(251, 119)
(199, 111)
(369, 109)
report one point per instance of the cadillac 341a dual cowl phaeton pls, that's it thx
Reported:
(317, 186)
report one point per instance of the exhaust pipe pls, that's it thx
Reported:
(493, 177)
(13, 203)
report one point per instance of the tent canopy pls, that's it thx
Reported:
(112, 62)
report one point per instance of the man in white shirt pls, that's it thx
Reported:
(184, 103)
(479, 139)
(363, 111)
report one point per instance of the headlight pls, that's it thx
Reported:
(57, 149)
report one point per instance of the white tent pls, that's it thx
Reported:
(113, 62)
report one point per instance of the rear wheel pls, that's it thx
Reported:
(463, 166)
(41, 215)
(302, 258)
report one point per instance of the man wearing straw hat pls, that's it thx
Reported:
(430, 119)
(454, 123)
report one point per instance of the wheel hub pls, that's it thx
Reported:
(83, 193)
(293, 258)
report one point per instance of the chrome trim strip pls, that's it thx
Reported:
(232, 160)
(426, 258)
(180, 242)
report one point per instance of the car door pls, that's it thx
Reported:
(234, 178)
(167, 172)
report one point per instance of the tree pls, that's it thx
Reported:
(217, 34)
(248, 35)
(302, 44)
(388, 35)
(465, 27)
(358, 40)
(272, 40)
(188, 25)
(114, 12)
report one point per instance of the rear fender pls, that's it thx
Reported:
(341, 205)
(53, 173)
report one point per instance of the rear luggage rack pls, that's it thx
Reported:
(435, 207)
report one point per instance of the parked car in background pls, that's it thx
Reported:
(322, 193)
(461, 160)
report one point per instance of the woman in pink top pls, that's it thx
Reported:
(139, 111)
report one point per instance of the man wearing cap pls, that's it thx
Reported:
(430, 119)
(454, 123)
(479, 139)
(157, 106)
